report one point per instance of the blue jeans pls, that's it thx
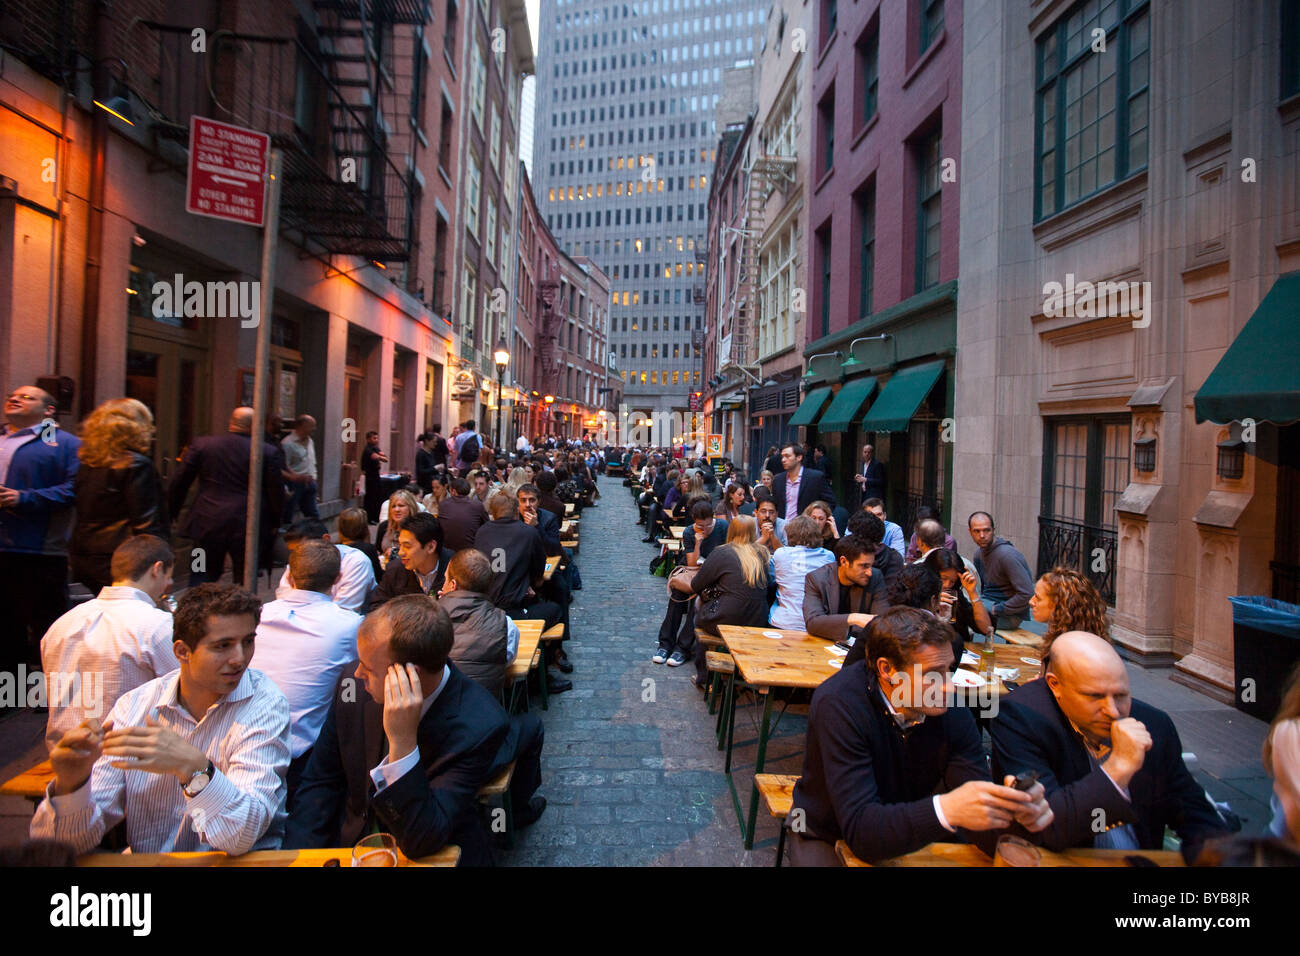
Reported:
(301, 496)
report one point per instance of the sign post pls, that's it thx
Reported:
(234, 175)
(270, 237)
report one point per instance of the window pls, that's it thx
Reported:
(1085, 470)
(467, 303)
(869, 72)
(472, 198)
(824, 260)
(449, 34)
(490, 241)
(931, 22)
(478, 84)
(1091, 107)
(418, 72)
(826, 126)
(866, 211)
(830, 15)
(494, 143)
(1290, 48)
(929, 200)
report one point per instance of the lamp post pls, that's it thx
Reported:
(502, 358)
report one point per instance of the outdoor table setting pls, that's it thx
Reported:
(767, 658)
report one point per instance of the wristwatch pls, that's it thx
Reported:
(200, 780)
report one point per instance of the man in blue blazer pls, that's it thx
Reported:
(810, 485)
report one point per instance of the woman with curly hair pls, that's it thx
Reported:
(119, 492)
(1065, 600)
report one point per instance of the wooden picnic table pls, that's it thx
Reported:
(551, 565)
(793, 659)
(31, 783)
(967, 854)
(1008, 655)
(676, 530)
(569, 508)
(447, 856)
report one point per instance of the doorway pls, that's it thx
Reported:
(173, 380)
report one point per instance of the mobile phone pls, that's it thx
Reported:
(1026, 779)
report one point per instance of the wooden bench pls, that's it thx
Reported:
(499, 786)
(777, 793)
(721, 669)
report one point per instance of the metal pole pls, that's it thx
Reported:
(500, 438)
(270, 235)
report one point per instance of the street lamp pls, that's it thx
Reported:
(502, 358)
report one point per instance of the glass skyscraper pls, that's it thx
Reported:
(624, 141)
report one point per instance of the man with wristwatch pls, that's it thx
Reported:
(193, 760)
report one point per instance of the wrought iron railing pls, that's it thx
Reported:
(1286, 581)
(1087, 549)
(906, 505)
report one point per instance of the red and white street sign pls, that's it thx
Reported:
(227, 172)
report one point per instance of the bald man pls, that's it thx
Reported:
(216, 518)
(1112, 766)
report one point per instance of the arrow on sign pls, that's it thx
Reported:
(223, 179)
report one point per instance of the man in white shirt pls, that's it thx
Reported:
(193, 760)
(304, 643)
(522, 445)
(300, 468)
(356, 574)
(105, 647)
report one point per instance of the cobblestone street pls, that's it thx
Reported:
(630, 781)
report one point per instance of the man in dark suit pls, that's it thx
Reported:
(889, 768)
(1112, 765)
(519, 561)
(460, 516)
(871, 475)
(531, 513)
(219, 512)
(809, 485)
(413, 764)
(420, 568)
(545, 482)
(846, 594)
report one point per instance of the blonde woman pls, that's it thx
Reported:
(119, 493)
(733, 585)
(401, 505)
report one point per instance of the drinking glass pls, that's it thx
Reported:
(1013, 851)
(377, 849)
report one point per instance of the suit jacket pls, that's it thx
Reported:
(549, 527)
(821, 601)
(874, 472)
(1031, 732)
(397, 580)
(460, 519)
(220, 463)
(525, 560)
(813, 486)
(460, 741)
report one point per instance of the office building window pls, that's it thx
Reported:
(929, 200)
(931, 22)
(1091, 122)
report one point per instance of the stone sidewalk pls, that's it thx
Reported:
(631, 769)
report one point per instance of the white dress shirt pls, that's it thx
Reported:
(389, 771)
(356, 580)
(304, 643)
(101, 649)
(245, 734)
(792, 565)
(792, 494)
(299, 455)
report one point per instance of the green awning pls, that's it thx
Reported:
(1259, 377)
(812, 403)
(847, 401)
(901, 397)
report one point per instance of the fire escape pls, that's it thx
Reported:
(765, 174)
(552, 308)
(322, 97)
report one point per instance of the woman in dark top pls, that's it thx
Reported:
(968, 615)
(732, 584)
(733, 502)
(119, 493)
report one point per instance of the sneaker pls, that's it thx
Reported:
(677, 659)
(661, 655)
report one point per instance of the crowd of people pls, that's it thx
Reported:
(376, 699)
(891, 764)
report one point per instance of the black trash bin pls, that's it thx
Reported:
(1266, 639)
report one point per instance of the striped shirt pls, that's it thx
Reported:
(100, 650)
(356, 580)
(245, 734)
